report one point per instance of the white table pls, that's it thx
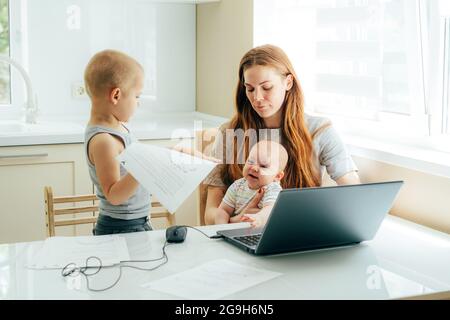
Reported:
(404, 260)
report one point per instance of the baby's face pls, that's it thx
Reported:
(262, 167)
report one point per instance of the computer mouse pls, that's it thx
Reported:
(176, 234)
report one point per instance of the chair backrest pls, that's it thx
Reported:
(78, 210)
(204, 141)
(53, 210)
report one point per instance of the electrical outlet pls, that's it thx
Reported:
(78, 90)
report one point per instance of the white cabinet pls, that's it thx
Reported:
(25, 170)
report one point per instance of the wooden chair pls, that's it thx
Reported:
(84, 213)
(204, 141)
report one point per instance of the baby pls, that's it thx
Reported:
(263, 169)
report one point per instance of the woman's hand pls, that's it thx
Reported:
(251, 209)
(349, 179)
(236, 218)
(258, 220)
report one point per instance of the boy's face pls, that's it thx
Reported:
(129, 100)
(262, 166)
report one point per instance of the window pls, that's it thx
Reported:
(444, 37)
(13, 44)
(384, 63)
(445, 78)
(5, 76)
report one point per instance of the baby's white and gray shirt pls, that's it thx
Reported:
(239, 195)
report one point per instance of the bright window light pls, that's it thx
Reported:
(380, 62)
(5, 74)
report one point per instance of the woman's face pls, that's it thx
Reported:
(266, 90)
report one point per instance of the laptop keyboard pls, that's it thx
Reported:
(249, 240)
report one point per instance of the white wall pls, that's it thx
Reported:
(160, 35)
(422, 199)
(224, 34)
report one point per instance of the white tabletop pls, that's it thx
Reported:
(404, 260)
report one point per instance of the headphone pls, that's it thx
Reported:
(93, 265)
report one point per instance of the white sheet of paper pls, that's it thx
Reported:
(57, 252)
(168, 174)
(212, 280)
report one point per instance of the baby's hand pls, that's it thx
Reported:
(236, 218)
(256, 220)
(252, 206)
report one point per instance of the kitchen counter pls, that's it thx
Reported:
(63, 131)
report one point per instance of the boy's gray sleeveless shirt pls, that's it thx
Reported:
(138, 205)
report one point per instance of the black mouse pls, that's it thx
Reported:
(176, 234)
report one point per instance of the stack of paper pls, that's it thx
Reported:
(212, 280)
(168, 174)
(57, 252)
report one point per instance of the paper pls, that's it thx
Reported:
(57, 252)
(168, 174)
(212, 280)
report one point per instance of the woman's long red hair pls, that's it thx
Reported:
(300, 171)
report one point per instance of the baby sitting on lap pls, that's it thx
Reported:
(263, 169)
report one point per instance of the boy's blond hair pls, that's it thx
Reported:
(110, 69)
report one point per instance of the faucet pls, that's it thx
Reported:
(31, 107)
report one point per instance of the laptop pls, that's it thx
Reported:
(318, 218)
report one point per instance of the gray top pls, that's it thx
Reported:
(138, 206)
(330, 153)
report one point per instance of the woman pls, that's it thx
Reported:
(269, 96)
